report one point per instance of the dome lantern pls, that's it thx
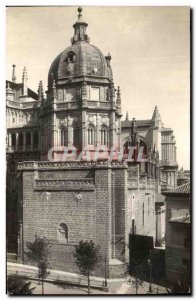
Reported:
(80, 29)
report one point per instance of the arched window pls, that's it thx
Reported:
(20, 141)
(104, 135)
(35, 140)
(64, 137)
(62, 233)
(28, 140)
(71, 57)
(91, 133)
(76, 136)
(13, 140)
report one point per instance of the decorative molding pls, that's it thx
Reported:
(56, 184)
(47, 165)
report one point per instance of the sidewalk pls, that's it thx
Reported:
(56, 275)
(118, 286)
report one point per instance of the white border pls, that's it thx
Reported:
(3, 4)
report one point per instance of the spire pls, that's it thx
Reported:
(40, 91)
(134, 132)
(13, 73)
(118, 98)
(127, 116)
(80, 29)
(24, 81)
(156, 117)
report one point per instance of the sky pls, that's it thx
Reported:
(150, 49)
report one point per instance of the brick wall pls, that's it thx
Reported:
(86, 218)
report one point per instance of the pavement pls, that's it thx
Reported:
(72, 284)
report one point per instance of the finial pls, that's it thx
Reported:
(24, 74)
(127, 116)
(24, 81)
(13, 73)
(40, 91)
(79, 10)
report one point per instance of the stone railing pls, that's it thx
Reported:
(105, 104)
(23, 105)
(142, 183)
(74, 184)
(30, 104)
(92, 103)
(68, 105)
(13, 103)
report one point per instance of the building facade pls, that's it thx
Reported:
(70, 199)
(178, 234)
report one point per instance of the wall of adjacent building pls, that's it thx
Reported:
(176, 251)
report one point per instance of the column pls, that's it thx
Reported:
(98, 142)
(32, 140)
(112, 129)
(84, 142)
(16, 141)
(9, 140)
(24, 141)
(69, 131)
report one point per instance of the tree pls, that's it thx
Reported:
(134, 269)
(86, 254)
(18, 286)
(39, 252)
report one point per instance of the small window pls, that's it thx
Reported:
(71, 57)
(64, 137)
(91, 132)
(63, 233)
(104, 136)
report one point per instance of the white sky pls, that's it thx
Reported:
(149, 48)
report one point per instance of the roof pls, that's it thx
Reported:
(183, 189)
(181, 220)
(139, 123)
(18, 86)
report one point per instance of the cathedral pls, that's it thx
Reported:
(68, 198)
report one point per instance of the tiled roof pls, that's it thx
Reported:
(139, 123)
(182, 189)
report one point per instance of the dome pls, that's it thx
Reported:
(80, 59)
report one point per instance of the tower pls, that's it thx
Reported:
(81, 109)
